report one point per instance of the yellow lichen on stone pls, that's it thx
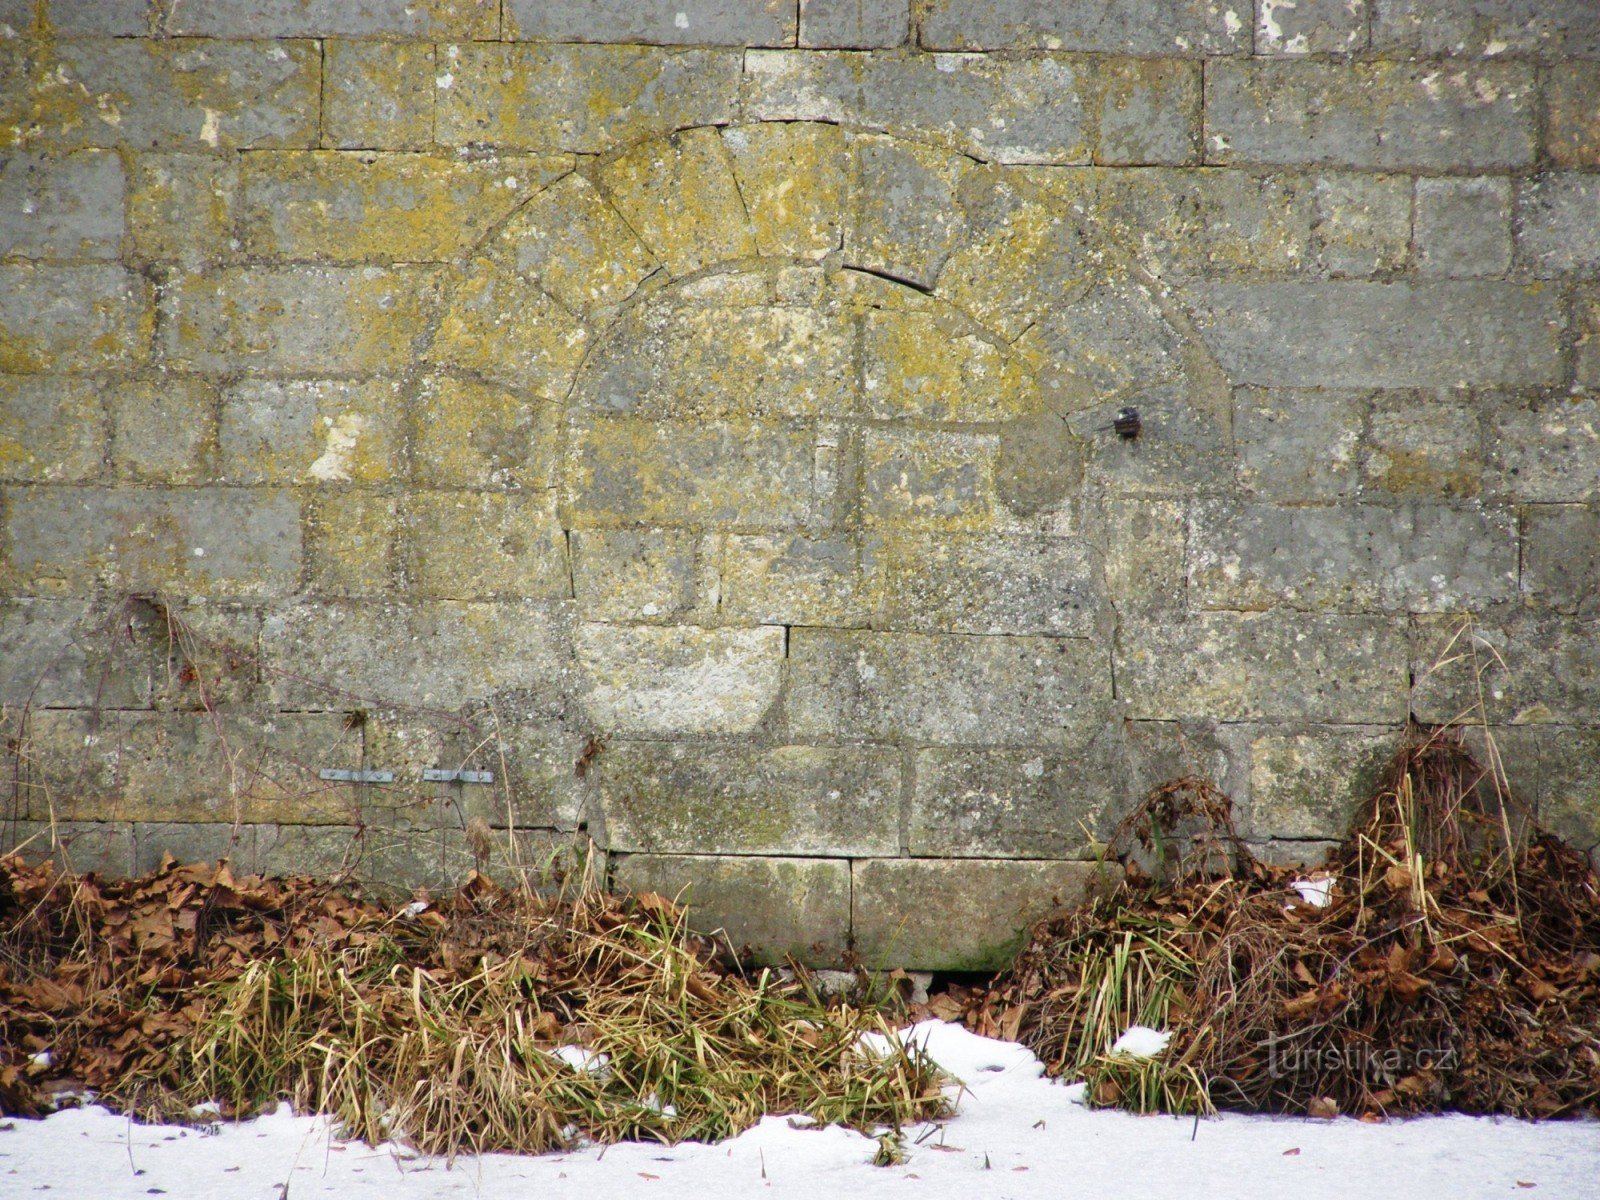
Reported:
(351, 539)
(576, 246)
(479, 545)
(471, 434)
(181, 207)
(680, 196)
(794, 180)
(928, 478)
(506, 328)
(918, 365)
(51, 430)
(319, 431)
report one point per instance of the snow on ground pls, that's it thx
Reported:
(1016, 1135)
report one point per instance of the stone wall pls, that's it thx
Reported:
(388, 386)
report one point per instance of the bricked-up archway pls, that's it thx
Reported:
(849, 530)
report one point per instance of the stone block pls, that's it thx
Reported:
(1572, 104)
(1023, 803)
(1294, 27)
(1363, 224)
(1557, 231)
(389, 861)
(1182, 450)
(483, 545)
(1117, 27)
(195, 654)
(311, 431)
(1312, 783)
(1299, 444)
(792, 579)
(678, 680)
(1586, 349)
(1511, 666)
(1561, 557)
(780, 908)
(1144, 548)
(1547, 29)
(352, 541)
(578, 247)
(583, 99)
(103, 847)
(67, 207)
(192, 842)
(1160, 752)
(793, 179)
(680, 196)
(945, 689)
(654, 22)
(182, 208)
(1373, 115)
(925, 366)
(905, 221)
(314, 320)
(1427, 445)
(1463, 227)
(1111, 344)
(185, 94)
(337, 206)
(205, 541)
(928, 479)
(337, 18)
(708, 799)
(1545, 449)
(854, 24)
(967, 915)
(1356, 558)
(96, 18)
(1023, 110)
(1148, 112)
(1569, 792)
(986, 583)
(1275, 665)
(730, 474)
(52, 430)
(65, 653)
(1355, 334)
(635, 574)
(163, 432)
(536, 781)
(378, 95)
(72, 318)
(439, 655)
(504, 329)
(470, 434)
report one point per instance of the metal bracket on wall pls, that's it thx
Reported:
(435, 775)
(341, 776)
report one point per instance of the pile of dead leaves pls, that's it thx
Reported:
(493, 1019)
(1445, 957)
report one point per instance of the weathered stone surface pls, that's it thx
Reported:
(678, 680)
(51, 430)
(1299, 444)
(1277, 665)
(680, 196)
(378, 95)
(654, 22)
(182, 208)
(53, 654)
(1022, 803)
(1463, 227)
(905, 220)
(1354, 334)
(1363, 223)
(944, 689)
(303, 319)
(1544, 28)
(72, 318)
(331, 206)
(1545, 449)
(1569, 792)
(925, 365)
(1561, 557)
(1181, 449)
(854, 24)
(484, 545)
(184, 94)
(585, 99)
(1005, 110)
(1293, 27)
(706, 799)
(1311, 783)
(1572, 99)
(191, 842)
(163, 432)
(578, 247)
(778, 907)
(311, 431)
(929, 479)
(206, 541)
(68, 207)
(1112, 342)
(969, 915)
(792, 579)
(469, 434)
(352, 541)
(986, 583)
(504, 328)
(440, 654)
(1118, 27)
(1556, 226)
(1158, 752)
(103, 846)
(1424, 444)
(1511, 666)
(1379, 115)
(793, 179)
(334, 18)
(1144, 542)
(635, 574)
(1148, 112)
(393, 861)
(1586, 349)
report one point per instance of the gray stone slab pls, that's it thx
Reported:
(1550, 29)
(52, 429)
(1294, 27)
(1425, 445)
(1463, 227)
(1558, 224)
(104, 18)
(47, 657)
(1312, 782)
(1148, 112)
(192, 843)
(654, 22)
(971, 915)
(1514, 666)
(462, 19)
(1096, 26)
(1572, 103)
(1276, 665)
(1363, 223)
(378, 94)
(72, 318)
(1373, 115)
(1358, 334)
(104, 847)
(1159, 752)
(854, 24)
(1569, 792)
(944, 689)
(1544, 449)
(1182, 450)
(635, 574)
(778, 907)
(695, 798)
(1561, 557)
(71, 207)
(1299, 444)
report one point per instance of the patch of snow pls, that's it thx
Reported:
(1141, 1041)
(1316, 892)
